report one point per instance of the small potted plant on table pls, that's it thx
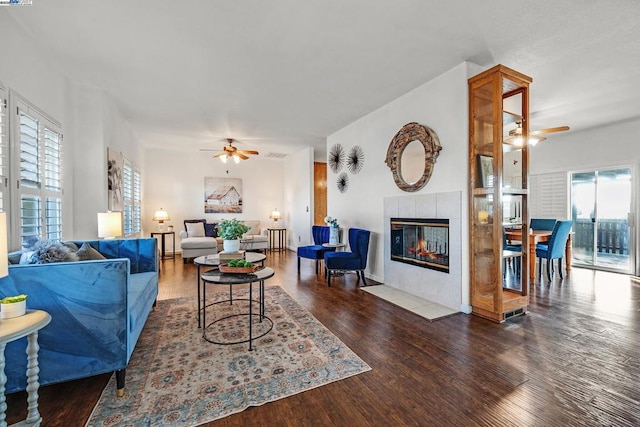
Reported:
(231, 230)
(13, 306)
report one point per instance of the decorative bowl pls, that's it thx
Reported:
(226, 269)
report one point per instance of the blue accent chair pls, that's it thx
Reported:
(316, 251)
(554, 248)
(356, 260)
(542, 223)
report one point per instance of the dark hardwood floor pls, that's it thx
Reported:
(574, 360)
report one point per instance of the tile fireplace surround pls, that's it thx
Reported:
(435, 286)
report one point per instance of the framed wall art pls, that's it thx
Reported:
(222, 195)
(485, 164)
(115, 180)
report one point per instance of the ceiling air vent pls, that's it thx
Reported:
(275, 155)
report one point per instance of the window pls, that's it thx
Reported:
(39, 154)
(131, 178)
(4, 159)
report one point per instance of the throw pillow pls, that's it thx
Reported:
(26, 257)
(14, 257)
(254, 228)
(210, 230)
(47, 251)
(71, 246)
(195, 229)
(88, 253)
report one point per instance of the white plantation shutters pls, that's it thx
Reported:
(39, 152)
(131, 179)
(549, 196)
(137, 225)
(4, 151)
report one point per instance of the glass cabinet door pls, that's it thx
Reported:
(498, 189)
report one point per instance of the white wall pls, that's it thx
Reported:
(90, 123)
(613, 145)
(440, 104)
(174, 180)
(298, 195)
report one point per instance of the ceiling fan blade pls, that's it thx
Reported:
(248, 152)
(242, 156)
(219, 154)
(550, 130)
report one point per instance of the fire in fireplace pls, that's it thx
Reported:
(421, 242)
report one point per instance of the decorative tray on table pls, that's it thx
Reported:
(226, 269)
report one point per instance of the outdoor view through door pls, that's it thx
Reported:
(600, 209)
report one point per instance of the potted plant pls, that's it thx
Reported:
(13, 306)
(334, 236)
(231, 230)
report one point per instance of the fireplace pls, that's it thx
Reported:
(421, 242)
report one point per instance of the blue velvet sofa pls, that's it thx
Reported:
(98, 309)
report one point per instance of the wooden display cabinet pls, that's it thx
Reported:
(498, 169)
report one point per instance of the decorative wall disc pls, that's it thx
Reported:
(336, 158)
(343, 182)
(355, 159)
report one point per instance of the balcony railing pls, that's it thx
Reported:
(613, 236)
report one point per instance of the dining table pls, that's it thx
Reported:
(535, 237)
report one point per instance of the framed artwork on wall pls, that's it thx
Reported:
(222, 195)
(115, 166)
(486, 170)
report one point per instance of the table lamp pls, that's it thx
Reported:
(4, 260)
(109, 224)
(275, 216)
(161, 216)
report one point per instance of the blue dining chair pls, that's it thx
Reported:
(320, 234)
(511, 251)
(542, 223)
(356, 260)
(554, 248)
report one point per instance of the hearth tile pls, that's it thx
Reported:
(420, 306)
(434, 311)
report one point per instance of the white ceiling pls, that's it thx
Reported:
(278, 74)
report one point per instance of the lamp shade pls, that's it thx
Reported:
(4, 260)
(161, 216)
(275, 215)
(109, 224)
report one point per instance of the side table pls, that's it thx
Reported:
(219, 278)
(10, 330)
(162, 243)
(213, 261)
(281, 234)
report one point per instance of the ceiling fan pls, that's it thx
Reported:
(229, 151)
(515, 135)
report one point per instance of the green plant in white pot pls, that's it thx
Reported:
(231, 230)
(13, 306)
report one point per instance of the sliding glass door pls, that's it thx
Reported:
(600, 210)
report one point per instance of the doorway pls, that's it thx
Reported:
(601, 202)
(319, 192)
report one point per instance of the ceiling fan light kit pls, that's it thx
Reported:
(515, 135)
(229, 151)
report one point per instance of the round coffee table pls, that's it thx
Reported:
(213, 261)
(216, 277)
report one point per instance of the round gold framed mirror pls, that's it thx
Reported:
(411, 156)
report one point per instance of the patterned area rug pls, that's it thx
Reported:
(177, 378)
